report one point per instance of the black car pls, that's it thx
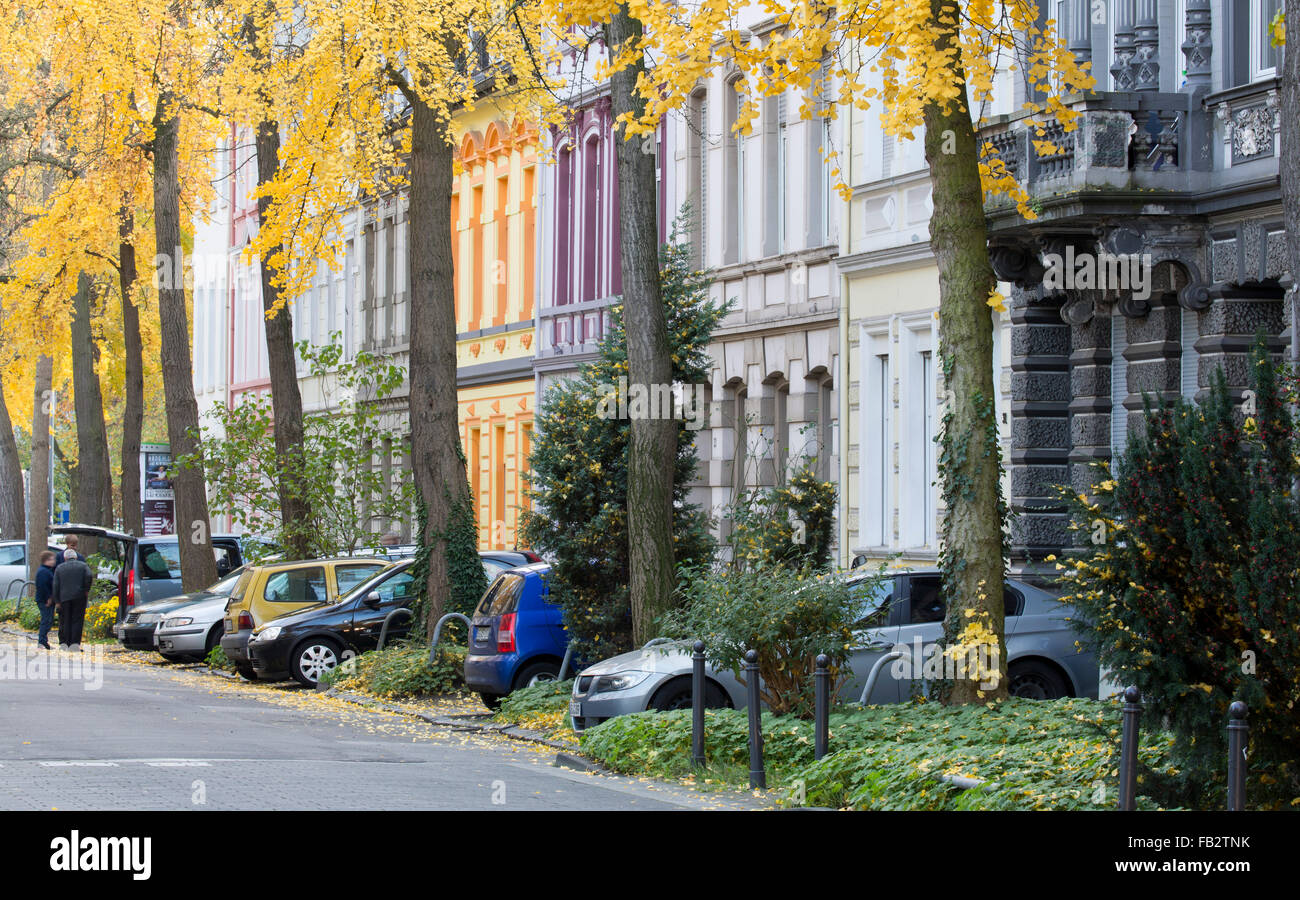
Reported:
(306, 644)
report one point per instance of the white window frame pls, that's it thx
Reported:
(877, 414)
(918, 421)
(1257, 31)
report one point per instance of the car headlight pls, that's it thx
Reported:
(620, 681)
(177, 622)
(148, 619)
(267, 634)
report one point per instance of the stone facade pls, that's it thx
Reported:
(1178, 173)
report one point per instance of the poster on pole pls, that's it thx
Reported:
(157, 500)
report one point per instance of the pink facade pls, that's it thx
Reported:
(581, 273)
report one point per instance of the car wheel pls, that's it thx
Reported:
(491, 701)
(313, 658)
(535, 673)
(246, 673)
(676, 694)
(214, 639)
(1036, 681)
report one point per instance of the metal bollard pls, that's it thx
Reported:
(757, 777)
(1128, 748)
(1238, 731)
(697, 705)
(822, 706)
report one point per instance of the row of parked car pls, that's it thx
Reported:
(282, 619)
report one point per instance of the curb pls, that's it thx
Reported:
(458, 723)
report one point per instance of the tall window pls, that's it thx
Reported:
(741, 430)
(733, 154)
(498, 536)
(699, 130)
(773, 174)
(564, 227)
(475, 280)
(883, 416)
(475, 481)
(590, 216)
(927, 446)
(1265, 59)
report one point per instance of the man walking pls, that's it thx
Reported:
(44, 597)
(72, 582)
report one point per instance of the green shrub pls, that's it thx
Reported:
(543, 698)
(791, 525)
(1189, 587)
(788, 617)
(1032, 754)
(403, 670)
(217, 659)
(29, 616)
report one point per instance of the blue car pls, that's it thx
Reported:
(517, 635)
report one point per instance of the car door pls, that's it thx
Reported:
(395, 592)
(923, 611)
(875, 634)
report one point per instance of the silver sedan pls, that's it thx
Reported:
(192, 630)
(897, 639)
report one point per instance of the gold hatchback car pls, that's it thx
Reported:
(276, 589)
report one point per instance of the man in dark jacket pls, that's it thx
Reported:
(72, 581)
(44, 597)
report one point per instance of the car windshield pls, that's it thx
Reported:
(225, 586)
(502, 596)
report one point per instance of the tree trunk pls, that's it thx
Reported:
(133, 405)
(13, 509)
(1289, 164)
(286, 398)
(653, 447)
(92, 495)
(198, 565)
(38, 499)
(973, 542)
(437, 460)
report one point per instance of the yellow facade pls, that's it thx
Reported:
(494, 223)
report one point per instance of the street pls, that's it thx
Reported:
(168, 739)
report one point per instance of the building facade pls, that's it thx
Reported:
(1174, 165)
(366, 301)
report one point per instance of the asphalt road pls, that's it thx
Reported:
(159, 738)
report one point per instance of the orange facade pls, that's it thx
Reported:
(494, 223)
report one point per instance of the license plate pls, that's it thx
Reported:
(483, 634)
(575, 708)
(117, 630)
(155, 639)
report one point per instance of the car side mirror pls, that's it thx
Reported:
(372, 600)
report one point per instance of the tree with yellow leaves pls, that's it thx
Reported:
(365, 103)
(130, 80)
(932, 59)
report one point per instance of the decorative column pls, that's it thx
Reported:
(1121, 68)
(1146, 57)
(1080, 32)
(1040, 428)
(1198, 46)
(1090, 357)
